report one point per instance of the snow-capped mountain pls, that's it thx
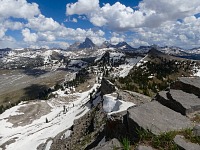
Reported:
(4, 52)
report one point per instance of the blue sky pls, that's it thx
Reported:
(58, 23)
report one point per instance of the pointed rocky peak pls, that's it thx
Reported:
(87, 44)
(123, 46)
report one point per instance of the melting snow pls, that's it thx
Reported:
(113, 105)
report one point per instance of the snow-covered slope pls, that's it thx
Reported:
(124, 69)
(28, 136)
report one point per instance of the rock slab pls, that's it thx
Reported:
(179, 101)
(189, 85)
(157, 118)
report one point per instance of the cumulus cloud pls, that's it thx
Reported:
(41, 23)
(28, 36)
(8, 41)
(82, 7)
(15, 9)
(150, 13)
(13, 25)
(18, 9)
(116, 38)
(185, 34)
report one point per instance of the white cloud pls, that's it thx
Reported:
(41, 23)
(151, 13)
(13, 25)
(115, 40)
(8, 41)
(185, 35)
(2, 31)
(18, 9)
(82, 7)
(137, 43)
(28, 36)
(46, 36)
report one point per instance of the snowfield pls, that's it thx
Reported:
(29, 137)
(124, 69)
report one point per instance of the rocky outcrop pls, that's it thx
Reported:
(87, 132)
(107, 87)
(157, 118)
(116, 126)
(185, 145)
(168, 111)
(179, 101)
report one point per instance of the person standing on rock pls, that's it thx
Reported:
(47, 120)
(64, 109)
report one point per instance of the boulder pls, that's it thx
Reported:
(155, 117)
(107, 87)
(141, 147)
(110, 145)
(179, 101)
(187, 84)
(183, 144)
(116, 126)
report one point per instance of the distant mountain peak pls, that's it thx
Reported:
(123, 45)
(87, 44)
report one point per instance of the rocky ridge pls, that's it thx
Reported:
(156, 116)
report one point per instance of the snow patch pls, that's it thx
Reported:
(113, 105)
(142, 61)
